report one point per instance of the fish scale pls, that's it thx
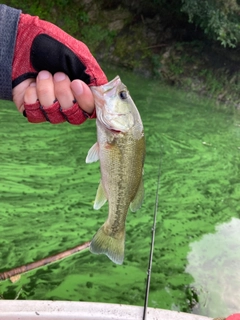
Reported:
(123, 180)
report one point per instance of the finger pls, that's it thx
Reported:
(83, 95)
(30, 96)
(32, 105)
(63, 92)
(45, 88)
(19, 92)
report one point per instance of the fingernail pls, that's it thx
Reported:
(77, 87)
(59, 76)
(43, 75)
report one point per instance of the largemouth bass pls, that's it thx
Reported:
(120, 147)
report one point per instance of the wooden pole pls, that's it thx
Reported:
(43, 262)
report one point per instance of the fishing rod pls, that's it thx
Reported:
(149, 271)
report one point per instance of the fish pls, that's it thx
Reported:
(120, 148)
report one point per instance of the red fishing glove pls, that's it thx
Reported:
(40, 45)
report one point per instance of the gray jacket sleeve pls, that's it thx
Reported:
(9, 18)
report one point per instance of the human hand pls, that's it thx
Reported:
(46, 89)
(41, 45)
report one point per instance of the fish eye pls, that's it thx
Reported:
(123, 95)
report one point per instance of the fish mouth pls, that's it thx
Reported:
(117, 122)
(111, 86)
(115, 131)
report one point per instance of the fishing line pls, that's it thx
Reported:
(149, 271)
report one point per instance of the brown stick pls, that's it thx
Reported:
(42, 262)
(156, 46)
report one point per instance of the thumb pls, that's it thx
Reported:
(83, 95)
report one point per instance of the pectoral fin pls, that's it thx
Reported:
(93, 154)
(100, 197)
(138, 200)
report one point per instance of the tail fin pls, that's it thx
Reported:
(106, 244)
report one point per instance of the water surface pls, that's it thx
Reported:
(47, 192)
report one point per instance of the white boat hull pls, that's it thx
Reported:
(65, 310)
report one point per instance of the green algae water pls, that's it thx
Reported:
(47, 193)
